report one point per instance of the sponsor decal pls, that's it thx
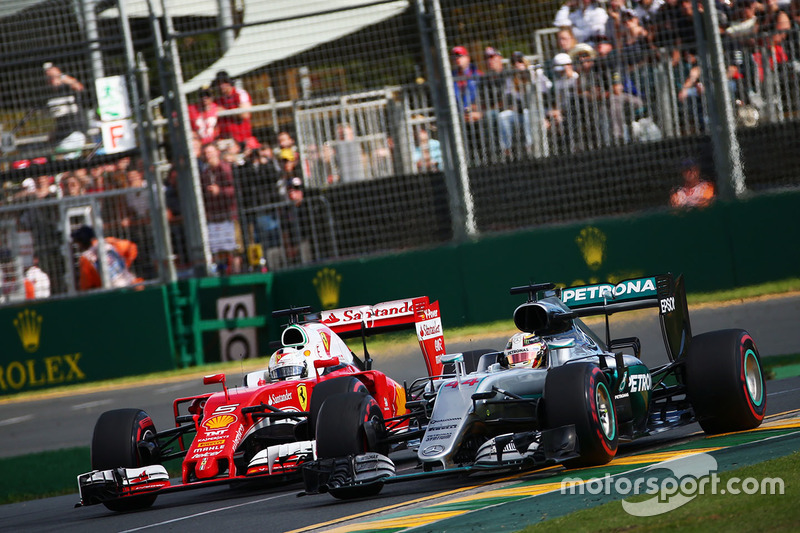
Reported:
(621, 396)
(327, 283)
(592, 243)
(217, 433)
(29, 329)
(141, 478)
(278, 398)
(220, 421)
(433, 450)
(623, 381)
(357, 314)
(326, 342)
(640, 382)
(429, 329)
(217, 442)
(302, 396)
(35, 373)
(667, 305)
(625, 290)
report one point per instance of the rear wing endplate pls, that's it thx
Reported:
(419, 313)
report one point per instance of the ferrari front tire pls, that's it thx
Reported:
(725, 382)
(115, 444)
(350, 423)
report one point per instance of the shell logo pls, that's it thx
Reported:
(219, 421)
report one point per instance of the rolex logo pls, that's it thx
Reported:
(327, 282)
(592, 243)
(29, 328)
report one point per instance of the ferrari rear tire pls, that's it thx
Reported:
(115, 444)
(578, 393)
(350, 423)
(725, 381)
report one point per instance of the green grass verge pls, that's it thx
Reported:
(41, 475)
(46, 474)
(705, 513)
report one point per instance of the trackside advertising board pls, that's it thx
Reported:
(52, 343)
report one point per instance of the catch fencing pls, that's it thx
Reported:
(345, 128)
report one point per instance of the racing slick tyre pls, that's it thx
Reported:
(115, 444)
(725, 382)
(321, 392)
(578, 394)
(350, 423)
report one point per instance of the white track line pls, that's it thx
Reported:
(15, 420)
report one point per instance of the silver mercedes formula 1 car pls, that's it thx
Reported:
(558, 393)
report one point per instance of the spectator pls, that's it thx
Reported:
(466, 83)
(622, 108)
(257, 183)
(566, 40)
(587, 20)
(72, 185)
(563, 114)
(287, 154)
(427, 155)
(695, 191)
(614, 25)
(635, 40)
(773, 44)
(236, 127)
(746, 21)
(219, 198)
(497, 91)
(350, 159)
(646, 11)
(296, 220)
(136, 219)
(531, 89)
(690, 93)
(203, 116)
(119, 254)
(64, 101)
(37, 282)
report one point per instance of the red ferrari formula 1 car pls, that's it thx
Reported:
(263, 429)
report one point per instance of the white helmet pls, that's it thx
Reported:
(526, 350)
(287, 364)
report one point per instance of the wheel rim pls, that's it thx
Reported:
(752, 377)
(605, 411)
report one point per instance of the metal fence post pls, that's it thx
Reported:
(722, 124)
(431, 26)
(192, 207)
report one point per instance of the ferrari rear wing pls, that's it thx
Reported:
(418, 313)
(662, 291)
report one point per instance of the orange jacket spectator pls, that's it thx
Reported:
(120, 254)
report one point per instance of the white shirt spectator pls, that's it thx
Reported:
(645, 13)
(40, 281)
(588, 21)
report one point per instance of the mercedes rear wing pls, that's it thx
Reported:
(662, 291)
(418, 313)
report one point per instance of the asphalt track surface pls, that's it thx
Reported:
(772, 323)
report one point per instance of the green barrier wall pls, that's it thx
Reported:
(721, 247)
(99, 336)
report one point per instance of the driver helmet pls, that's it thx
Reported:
(287, 364)
(525, 350)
